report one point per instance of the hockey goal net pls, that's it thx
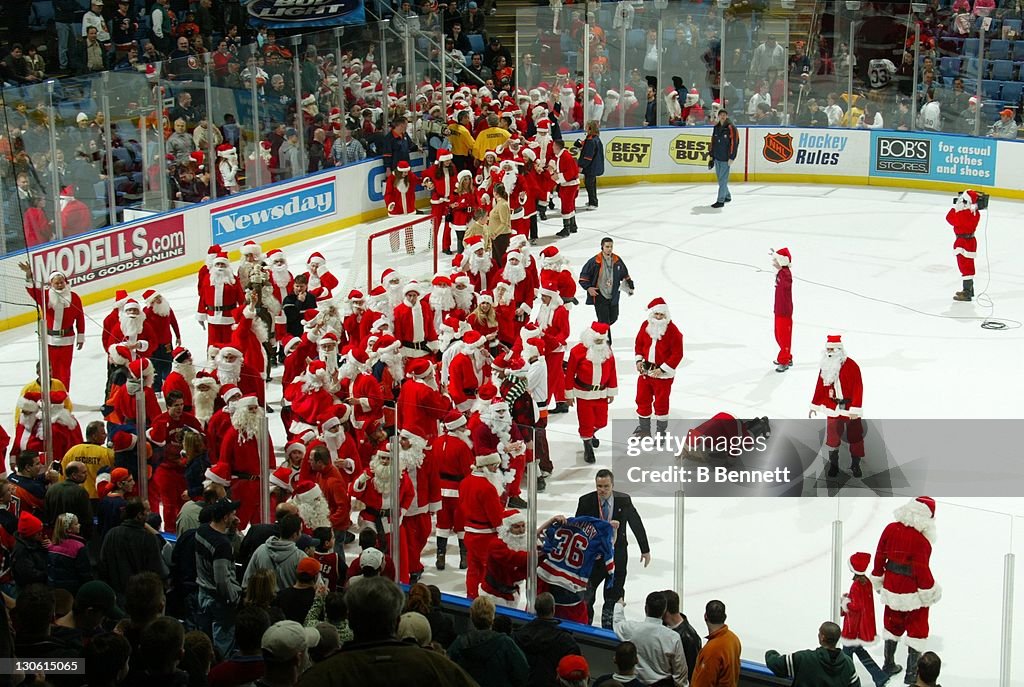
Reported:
(406, 247)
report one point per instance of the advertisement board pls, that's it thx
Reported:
(629, 151)
(933, 157)
(280, 209)
(811, 152)
(691, 149)
(114, 252)
(308, 14)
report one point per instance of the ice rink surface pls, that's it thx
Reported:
(875, 265)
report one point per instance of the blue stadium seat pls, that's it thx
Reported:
(990, 89)
(40, 17)
(1014, 24)
(949, 66)
(1011, 91)
(970, 48)
(635, 39)
(1002, 70)
(476, 42)
(975, 69)
(999, 50)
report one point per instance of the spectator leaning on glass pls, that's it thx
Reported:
(1005, 126)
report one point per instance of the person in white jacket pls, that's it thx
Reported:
(659, 650)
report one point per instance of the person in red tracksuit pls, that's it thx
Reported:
(440, 180)
(567, 173)
(479, 499)
(781, 260)
(658, 351)
(452, 455)
(591, 383)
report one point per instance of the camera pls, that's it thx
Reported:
(982, 200)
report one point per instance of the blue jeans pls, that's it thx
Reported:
(722, 172)
(877, 675)
(67, 35)
(217, 619)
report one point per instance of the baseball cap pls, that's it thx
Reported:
(284, 639)
(573, 667)
(220, 509)
(308, 568)
(415, 626)
(305, 541)
(97, 594)
(290, 131)
(1007, 112)
(371, 558)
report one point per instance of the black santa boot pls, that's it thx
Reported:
(833, 463)
(588, 452)
(855, 467)
(572, 225)
(442, 549)
(463, 560)
(660, 427)
(565, 229)
(911, 675)
(967, 294)
(644, 428)
(890, 667)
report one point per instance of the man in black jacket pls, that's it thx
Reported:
(130, 548)
(725, 144)
(544, 643)
(612, 506)
(602, 278)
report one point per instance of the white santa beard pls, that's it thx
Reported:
(463, 298)
(58, 300)
(130, 326)
(60, 415)
(442, 298)
(541, 315)
(495, 478)
(395, 295)
(281, 276)
(221, 276)
(203, 403)
(830, 367)
(501, 427)
(186, 370)
(514, 273)
(516, 542)
(508, 180)
(259, 328)
(464, 436)
(598, 354)
(412, 458)
(656, 328)
(314, 512)
(348, 369)
(28, 420)
(333, 441)
(330, 359)
(246, 423)
(478, 264)
(229, 373)
(395, 365)
(161, 309)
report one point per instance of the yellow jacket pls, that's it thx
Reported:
(489, 139)
(500, 220)
(461, 140)
(94, 457)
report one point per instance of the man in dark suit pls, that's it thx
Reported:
(615, 506)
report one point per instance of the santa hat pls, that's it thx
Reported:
(656, 306)
(513, 517)
(130, 303)
(548, 288)
(139, 367)
(199, 157)
(120, 297)
(502, 362)
(354, 295)
(486, 459)
(290, 343)
(498, 404)
(595, 330)
(225, 150)
(316, 259)
(859, 563)
(228, 392)
(387, 343)
(149, 295)
(474, 338)
(295, 444)
(219, 474)
(282, 478)
(250, 248)
(834, 341)
(453, 420)
(441, 280)
(221, 260)
(517, 367)
(123, 441)
(358, 355)
(972, 195)
(928, 502)
(544, 124)
(461, 278)
(180, 355)
(444, 155)
(335, 416)
(67, 192)
(315, 366)
(307, 491)
(388, 275)
(247, 401)
(533, 346)
(784, 257)
(403, 166)
(327, 338)
(229, 350)
(413, 287)
(474, 243)
(274, 252)
(418, 368)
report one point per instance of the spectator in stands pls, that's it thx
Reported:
(259, 533)
(674, 620)
(106, 660)
(968, 117)
(397, 145)
(544, 643)
(94, 17)
(346, 149)
(458, 40)
(718, 663)
(295, 601)
(931, 113)
(491, 658)
(261, 591)
(478, 69)
(150, 53)
(928, 667)
(625, 668)
(953, 102)
(70, 495)
(768, 55)
(95, 603)
(31, 559)
(38, 228)
(180, 143)
(825, 666)
(279, 553)
(16, 67)
(197, 658)
(69, 566)
(160, 650)
(494, 50)
(1006, 126)
(473, 20)
(813, 116)
(215, 575)
(92, 53)
(573, 671)
(528, 75)
(376, 658)
(317, 153)
(246, 664)
(834, 110)
(32, 616)
(131, 548)
(331, 609)
(36, 63)
(289, 154)
(659, 649)
(872, 117)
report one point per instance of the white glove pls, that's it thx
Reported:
(347, 465)
(362, 480)
(133, 386)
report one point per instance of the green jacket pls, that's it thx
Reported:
(491, 658)
(819, 667)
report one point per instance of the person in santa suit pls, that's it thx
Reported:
(203, 277)
(505, 566)
(858, 610)
(181, 376)
(510, 375)
(109, 325)
(420, 406)
(463, 205)
(131, 338)
(281, 485)
(63, 425)
(631, 104)
(314, 511)
(328, 353)
(400, 199)
(318, 276)
(552, 321)
(524, 290)
(281, 283)
(479, 499)
(484, 319)
(371, 492)
(309, 398)
(318, 466)
(330, 319)
(903, 576)
(218, 301)
(220, 421)
(122, 401)
(65, 321)
(230, 368)
(426, 501)
(507, 315)
(363, 390)
(964, 217)
(839, 395)
(441, 301)
(252, 259)
(388, 367)
(75, 217)
(353, 311)
(166, 433)
(781, 260)
(467, 370)
(163, 323)
(658, 350)
(554, 267)
(591, 384)
(414, 323)
(532, 352)
(240, 448)
(393, 284)
(522, 244)
(377, 308)
(478, 264)
(452, 455)
(440, 180)
(204, 396)
(495, 432)
(294, 362)
(338, 436)
(515, 187)
(567, 174)
(462, 289)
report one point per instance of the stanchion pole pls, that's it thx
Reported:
(395, 503)
(141, 452)
(837, 571)
(531, 533)
(1006, 640)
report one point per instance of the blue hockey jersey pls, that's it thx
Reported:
(571, 549)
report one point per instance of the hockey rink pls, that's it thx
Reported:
(875, 265)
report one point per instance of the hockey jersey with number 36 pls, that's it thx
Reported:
(572, 548)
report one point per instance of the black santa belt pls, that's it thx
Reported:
(509, 589)
(965, 236)
(416, 346)
(219, 308)
(590, 387)
(898, 568)
(451, 477)
(246, 476)
(60, 332)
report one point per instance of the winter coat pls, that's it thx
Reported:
(858, 609)
(544, 643)
(30, 562)
(127, 550)
(592, 157)
(819, 667)
(490, 658)
(390, 662)
(280, 555)
(592, 270)
(725, 142)
(69, 566)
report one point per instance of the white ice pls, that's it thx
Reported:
(768, 560)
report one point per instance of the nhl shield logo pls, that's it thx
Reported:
(778, 148)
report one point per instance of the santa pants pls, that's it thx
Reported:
(652, 392)
(521, 226)
(161, 360)
(442, 228)
(450, 519)
(540, 445)
(965, 251)
(499, 244)
(913, 623)
(592, 416)
(476, 556)
(556, 376)
(518, 466)
(248, 492)
(515, 602)
(533, 227)
(168, 485)
(784, 338)
(218, 335)
(60, 364)
(854, 428)
(567, 198)
(416, 532)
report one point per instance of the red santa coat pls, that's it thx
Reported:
(216, 429)
(563, 279)
(454, 461)
(462, 206)
(508, 325)
(965, 246)
(249, 382)
(848, 387)
(489, 332)
(218, 303)
(65, 437)
(666, 354)
(532, 187)
(463, 380)
(400, 199)
(414, 327)
(587, 381)
(427, 484)
(375, 503)
(444, 184)
(65, 322)
(504, 571)
(176, 382)
(419, 409)
(109, 322)
(366, 397)
(480, 502)
(554, 329)
(27, 439)
(484, 281)
(75, 218)
(350, 325)
(124, 404)
(568, 169)
(334, 486)
(902, 566)
(858, 610)
(294, 366)
(326, 281)
(249, 336)
(307, 406)
(145, 339)
(242, 455)
(162, 327)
